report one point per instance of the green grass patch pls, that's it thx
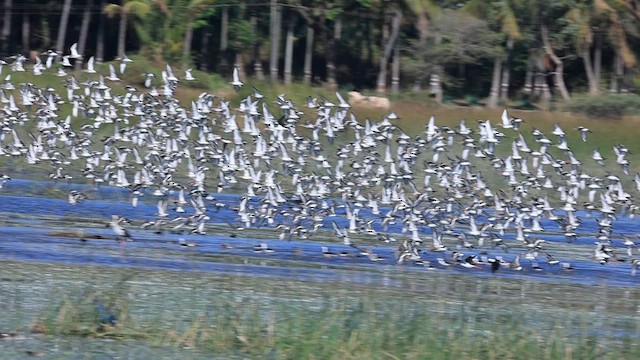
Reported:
(609, 106)
(438, 316)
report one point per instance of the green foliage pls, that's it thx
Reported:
(202, 12)
(576, 28)
(455, 38)
(241, 35)
(372, 327)
(610, 106)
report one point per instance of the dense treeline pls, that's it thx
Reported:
(498, 50)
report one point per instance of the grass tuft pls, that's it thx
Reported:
(368, 328)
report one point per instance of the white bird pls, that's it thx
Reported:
(506, 123)
(74, 51)
(583, 132)
(597, 157)
(188, 76)
(121, 233)
(148, 78)
(112, 74)
(343, 103)
(90, 66)
(557, 131)
(65, 61)
(124, 60)
(237, 84)
(51, 55)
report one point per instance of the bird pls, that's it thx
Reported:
(583, 132)
(106, 316)
(90, 66)
(124, 61)
(74, 52)
(121, 233)
(148, 79)
(305, 168)
(75, 197)
(506, 122)
(188, 76)
(237, 84)
(3, 179)
(112, 74)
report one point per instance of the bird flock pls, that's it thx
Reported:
(474, 196)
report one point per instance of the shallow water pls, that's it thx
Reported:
(31, 224)
(35, 224)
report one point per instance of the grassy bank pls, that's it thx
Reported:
(436, 315)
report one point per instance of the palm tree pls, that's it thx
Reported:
(620, 18)
(193, 8)
(26, 32)
(84, 31)
(134, 7)
(424, 10)
(288, 56)
(390, 43)
(500, 15)
(589, 22)
(100, 35)
(317, 16)
(559, 70)
(62, 29)
(274, 34)
(581, 19)
(308, 55)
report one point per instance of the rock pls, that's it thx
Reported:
(372, 102)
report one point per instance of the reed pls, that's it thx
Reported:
(368, 327)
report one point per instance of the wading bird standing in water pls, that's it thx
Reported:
(122, 234)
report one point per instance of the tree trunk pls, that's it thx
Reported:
(381, 84)
(62, 29)
(506, 72)
(495, 83)
(186, 47)
(239, 63)
(100, 35)
(422, 25)
(84, 33)
(588, 69)
(276, 24)
(597, 59)
(46, 32)
(616, 74)
(559, 73)
(122, 34)
(435, 84)
(541, 86)
(288, 54)
(224, 39)
(330, 45)
(395, 70)
(26, 29)
(5, 34)
(308, 55)
(528, 77)
(257, 61)
(368, 32)
(224, 29)
(204, 51)
(337, 29)
(381, 81)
